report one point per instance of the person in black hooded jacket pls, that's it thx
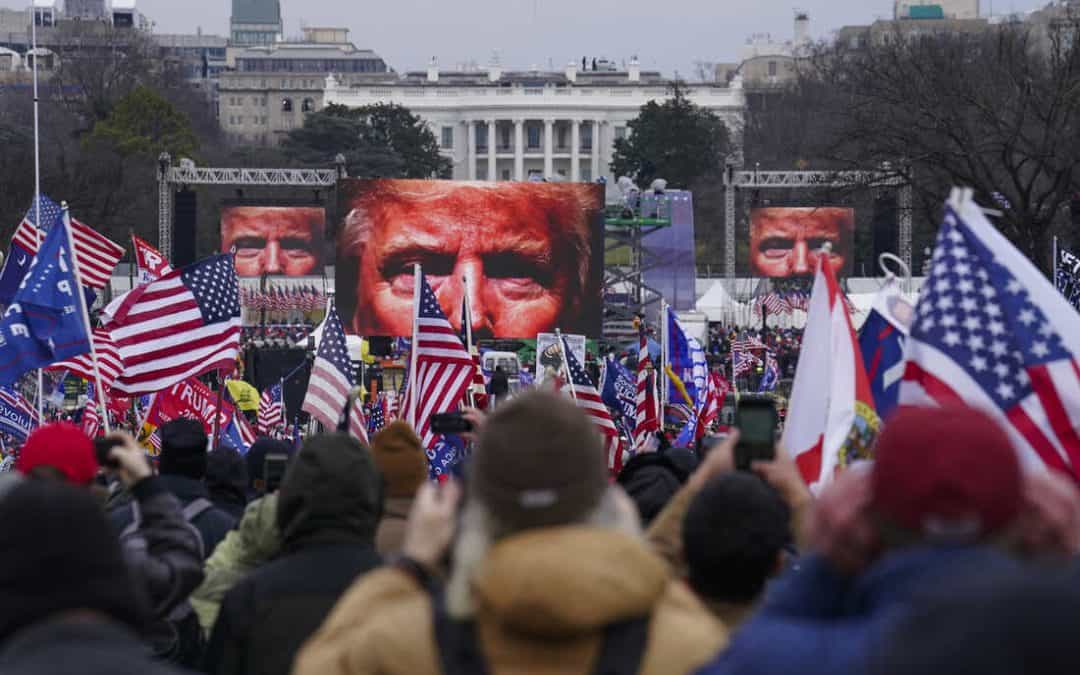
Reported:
(652, 478)
(328, 510)
(68, 601)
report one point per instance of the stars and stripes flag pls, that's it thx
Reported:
(718, 391)
(391, 401)
(991, 331)
(184, 324)
(774, 303)
(332, 379)
(91, 419)
(19, 257)
(377, 418)
(444, 369)
(109, 362)
(17, 417)
(746, 344)
(588, 398)
(646, 420)
(271, 415)
(742, 362)
(97, 255)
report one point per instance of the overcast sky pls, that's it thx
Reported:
(669, 35)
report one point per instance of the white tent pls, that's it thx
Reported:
(718, 305)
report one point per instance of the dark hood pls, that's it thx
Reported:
(332, 493)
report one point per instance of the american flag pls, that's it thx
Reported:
(775, 304)
(270, 412)
(992, 332)
(588, 398)
(154, 440)
(444, 368)
(97, 255)
(14, 399)
(184, 324)
(646, 420)
(91, 419)
(718, 391)
(109, 362)
(377, 418)
(743, 362)
(331, 381)
(747, 344)
(392, 400)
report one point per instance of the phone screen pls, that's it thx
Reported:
(756, 421)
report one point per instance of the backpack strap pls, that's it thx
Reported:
(196, 508)
(456, 641)
(623, 647)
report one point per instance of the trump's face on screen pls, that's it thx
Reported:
(525, 249)
(274, 239)
(786, 242)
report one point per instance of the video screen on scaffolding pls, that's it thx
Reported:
(532, 253)
(784, 241)
(275, 239)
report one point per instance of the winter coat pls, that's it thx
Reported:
(327, 511)
(816, 621)
(255, 541)
(169, 565)
(212, 524)
(79, 647)
(391, 533)
(543, 599)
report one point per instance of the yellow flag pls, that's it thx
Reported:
(245, 395)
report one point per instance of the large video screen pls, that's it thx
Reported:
(784, 241)
(532, 254)
(281, 240)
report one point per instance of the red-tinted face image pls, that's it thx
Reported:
(785, 242)
(525, 248)
(286, 240)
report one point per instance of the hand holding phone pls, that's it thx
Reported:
(757, 421)
(450, 423)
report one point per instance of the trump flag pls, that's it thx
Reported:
(831, 419)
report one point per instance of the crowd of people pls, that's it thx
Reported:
(943, 555)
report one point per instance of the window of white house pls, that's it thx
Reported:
(447, 140)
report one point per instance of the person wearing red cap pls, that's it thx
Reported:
(946, 498)
(165, 558)
(60, 450)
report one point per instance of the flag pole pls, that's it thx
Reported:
(1053, 270)
(665, 354)
(217, 412)
(565, 363)
(417, 275)
(66, 224)
(37, 192)
(466, 321)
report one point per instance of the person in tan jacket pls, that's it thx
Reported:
(549, 572)
(399, 454)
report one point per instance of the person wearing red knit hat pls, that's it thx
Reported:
(60, 449)
(945, 499)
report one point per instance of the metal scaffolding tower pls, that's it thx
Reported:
(625, 228)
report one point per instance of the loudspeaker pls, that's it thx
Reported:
(380, 346)
(886, 232)
(269, 365)
(185, 222)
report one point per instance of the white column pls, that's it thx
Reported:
(471, 154)
(549, 152)
(491, 150)
(519, 149)
(595, 149)
(575, 150)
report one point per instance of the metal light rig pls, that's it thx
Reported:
(626, 225)
(170, 177)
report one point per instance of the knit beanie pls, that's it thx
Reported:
(59, 554)
(183, 449)
(540, 461)
(256, 458)
(64, 447)
(946, 473)
(400, 456)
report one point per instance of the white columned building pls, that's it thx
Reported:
(520, 125)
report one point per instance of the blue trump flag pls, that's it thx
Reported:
(687, 359)
(19, 256)
(44, 323)
(881, 341)
(619, 393)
